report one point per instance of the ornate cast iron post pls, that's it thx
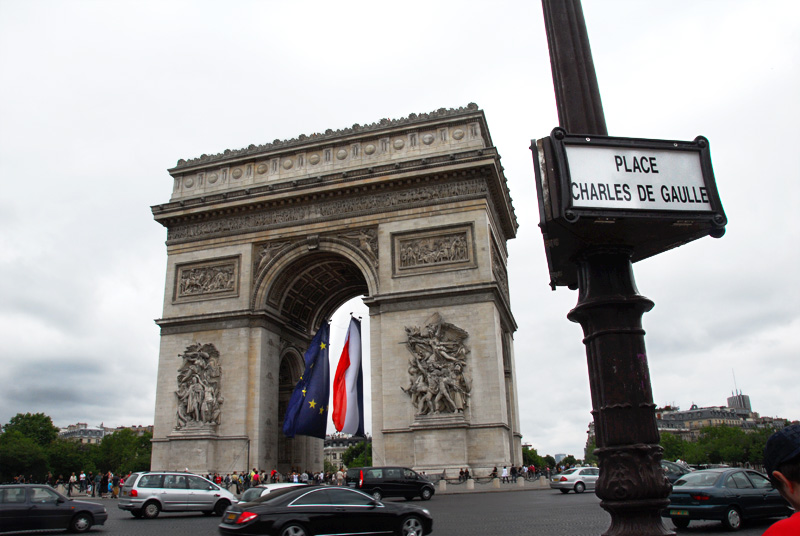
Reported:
(632, 485)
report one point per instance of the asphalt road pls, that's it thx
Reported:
(535, 512)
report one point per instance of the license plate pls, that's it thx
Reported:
(679, 512)
(231, 516)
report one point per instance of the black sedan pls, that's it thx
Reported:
(37, 507)
(729, 495)
(311, 510)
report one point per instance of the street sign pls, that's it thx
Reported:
(647, 195)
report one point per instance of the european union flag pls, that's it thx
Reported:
(307, 412)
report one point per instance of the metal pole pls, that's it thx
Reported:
(632, 485)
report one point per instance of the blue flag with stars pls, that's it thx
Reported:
(307, 412)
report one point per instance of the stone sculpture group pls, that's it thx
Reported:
(198, 394)
(439, 381)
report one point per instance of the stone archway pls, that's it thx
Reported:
(265, 243)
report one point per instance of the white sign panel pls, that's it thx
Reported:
(636, 179)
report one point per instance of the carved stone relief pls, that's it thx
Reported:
(439, 382)
(327, 209)
(500, 273)
(433, 250)
(366, 240)
(198, 393)
(207, 280)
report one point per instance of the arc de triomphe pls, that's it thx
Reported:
(266, 242)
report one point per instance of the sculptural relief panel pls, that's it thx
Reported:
(198, 394)
(438, 379)
(207, 280)
(446, 248)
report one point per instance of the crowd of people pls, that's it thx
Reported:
(238, 482)
(100, 484)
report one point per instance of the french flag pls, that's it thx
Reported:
(348, 385)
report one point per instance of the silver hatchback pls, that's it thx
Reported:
(577, 478)
(146, 494)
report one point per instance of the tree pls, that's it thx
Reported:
(589, 457)
(549, 461)
(124, 451)
(65, 457)
(21, 455)
(36, 426)
(674, 447)
(569, 460)
(359, 455)
(531, 457)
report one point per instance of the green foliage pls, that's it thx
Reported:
(589, 457)
(65, 457)
(549, 461)
(674, 447)
(29, 445)
(531, 456)
(21, 455)
(36, 426)
(569, 460)
(328, 467)
(718, 445)
(359, 455)
(124, 451)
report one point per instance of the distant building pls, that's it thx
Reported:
(83, 433)
(559, 457)
(335, 446)
(687, 424)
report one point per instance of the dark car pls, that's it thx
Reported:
(673, 470)
(729, 495)
(304, 511)
(383, 482)
(39, 507)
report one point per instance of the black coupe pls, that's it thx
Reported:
(311, 510)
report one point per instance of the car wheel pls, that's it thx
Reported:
(426, 494)
(564, 491)
(680, 522)
(136, 513)
(732, 519)
(293, 530)
(580, 487)
(376, 493)
(151, 510)
(411, 526)
(221, 506)
(81, 522)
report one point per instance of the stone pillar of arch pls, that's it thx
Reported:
(266, 242)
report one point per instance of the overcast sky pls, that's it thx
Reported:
(99, 98)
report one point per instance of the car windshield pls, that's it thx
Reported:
(569, 471)
(699, 479)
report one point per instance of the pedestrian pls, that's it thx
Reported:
(72, 481)
(115, 487)
(103, 485)
(82, 481)
(782, 464)
(96, 487)
(504, 478)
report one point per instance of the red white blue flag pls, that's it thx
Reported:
(348, 385)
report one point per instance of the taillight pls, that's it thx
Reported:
(701, 497)
(134, 493)
(361, 479)
(563, 479)
(244, 517)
